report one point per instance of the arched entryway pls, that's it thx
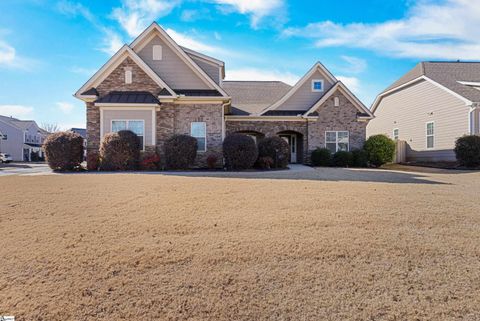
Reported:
(295, 141)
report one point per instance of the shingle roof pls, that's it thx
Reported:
(198, 92)
(128, 97)
(284, 112)
(81, 131)
(447, 74)
(254, 96)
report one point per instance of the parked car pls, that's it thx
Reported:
(5, 158)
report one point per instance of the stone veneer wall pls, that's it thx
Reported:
(93, 128)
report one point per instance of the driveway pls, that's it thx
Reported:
(24, 169)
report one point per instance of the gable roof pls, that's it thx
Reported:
(155, 27)
(251, 97)
(317, 67)
(346, 92)
(111, 64)
(458, 78)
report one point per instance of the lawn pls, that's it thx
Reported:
(156, 247)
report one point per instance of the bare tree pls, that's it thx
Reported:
(50, 127)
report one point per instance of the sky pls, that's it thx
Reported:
(49, 48)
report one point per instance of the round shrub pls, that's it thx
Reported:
(212, 161)
(93, 160)
(467, 150)
(150, 161)
(359, 158)
(180, 151)
(64, 151)
(321, 157)
(343, 159)
(277, 149)
(264, 162)
(239, 151)
(120, 151)
(380, 150)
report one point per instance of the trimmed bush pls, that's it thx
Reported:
(380, 150)
(277, 149)
(264, 162)
(120, 151)
(180, 151)
(150, 162)
(467, 150)
(360, 158)
(239, 151)
(343, 159)
(93, 161)
(321, 157)
(212, 161)
(64, 151)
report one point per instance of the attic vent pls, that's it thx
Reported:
(128, 76)
(336, 101)
(157, 52)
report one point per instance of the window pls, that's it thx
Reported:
(395, 134)
(157, 52)
(317, 85)
(337, 141)
(430, 135)
(4, 137)
(128, 76)
(199, 131)
(136, 126)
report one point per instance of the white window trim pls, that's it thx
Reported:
(313, 85)
(336, 138)
(191, 127)
(426, 134)
(128, 120)
(157, 52)
(128, 77)
(393, 134)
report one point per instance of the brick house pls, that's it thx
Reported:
(157, 89)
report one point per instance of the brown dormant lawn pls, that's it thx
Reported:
(156, 247)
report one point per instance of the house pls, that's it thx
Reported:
(157, 88)
(429, 108)
(22, 139)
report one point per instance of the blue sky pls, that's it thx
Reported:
(49, 48)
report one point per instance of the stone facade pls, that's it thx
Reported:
(116, 80)
(93, 128)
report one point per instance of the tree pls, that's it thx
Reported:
(50, 127)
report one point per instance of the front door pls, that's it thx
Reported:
(291, 139)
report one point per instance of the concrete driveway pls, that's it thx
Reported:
(24, 169)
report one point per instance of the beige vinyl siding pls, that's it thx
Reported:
(210, 69)
(128, 114)
(304, 98)
(410, 109)
(172, 69)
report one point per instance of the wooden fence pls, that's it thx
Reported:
(400, 152)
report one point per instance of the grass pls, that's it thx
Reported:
(154, 247)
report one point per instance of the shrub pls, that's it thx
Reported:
(321, 157)
(360, 158)
(343, 159)
(150, 162)
(93, 161)
(180, 151)
(212, 161)
(239, 151)
(467, 150)
(64, 151)
(120, 151)
(265, 162)
(380, 150)
(277, 149)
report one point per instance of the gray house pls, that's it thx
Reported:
(429, 108)
(156, 88)
(22, 139)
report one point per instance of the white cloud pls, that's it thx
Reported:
(7, 54)
(17, 111)
(83, 71)
(65, 107)
(111, 43)
(261, 74)
(186, 41)
(73, 9)
(256, 9)
(352, 83)
(448, 30)
(135, 15)
(10, 59)
(354, 65)
(217, 36)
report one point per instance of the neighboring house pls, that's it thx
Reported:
(430, 107)
(22, 139)
(156, 88)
